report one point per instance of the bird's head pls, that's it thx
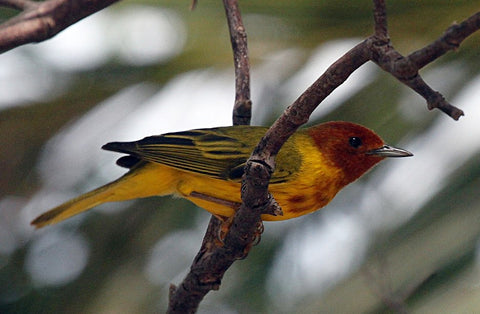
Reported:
(352, 147)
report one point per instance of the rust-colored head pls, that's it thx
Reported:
(352, 147)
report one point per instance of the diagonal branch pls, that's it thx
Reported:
(450, 40)
(40, 21)
(299, 112)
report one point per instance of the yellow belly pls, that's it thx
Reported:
(296, 197)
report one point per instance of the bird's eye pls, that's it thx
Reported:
(355, 142)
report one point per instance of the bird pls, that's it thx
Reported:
(206, 167)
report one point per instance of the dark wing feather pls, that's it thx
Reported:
(219, 152)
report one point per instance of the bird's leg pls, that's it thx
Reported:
(224, 227)
(216, 200)
(226, 221)
(258, 233)
(257, 236)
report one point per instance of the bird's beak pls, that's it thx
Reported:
(389, 151)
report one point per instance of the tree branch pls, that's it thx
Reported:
(242, 110)
(40, 21)
(450, 40)
(380, 19)
(405, 69)
(18, 4)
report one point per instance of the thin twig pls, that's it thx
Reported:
(380, 19)
(450, 40)
(242, 110)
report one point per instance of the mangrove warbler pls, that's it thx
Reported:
(205, 166)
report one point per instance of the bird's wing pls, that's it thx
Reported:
(218, 152)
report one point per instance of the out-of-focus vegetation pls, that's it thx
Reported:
(404, 236)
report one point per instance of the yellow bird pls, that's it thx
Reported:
(205, 166)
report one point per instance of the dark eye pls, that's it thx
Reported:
(355, 142)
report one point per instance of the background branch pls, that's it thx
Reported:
(18, 4)
(42, 20)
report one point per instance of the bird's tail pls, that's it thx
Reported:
(75, 206)
(146, 180)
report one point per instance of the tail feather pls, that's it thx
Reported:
(75, 206)
(121, 147)
(145, 179)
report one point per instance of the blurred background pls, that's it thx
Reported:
(406, 236)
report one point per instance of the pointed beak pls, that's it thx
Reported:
(389, 151)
